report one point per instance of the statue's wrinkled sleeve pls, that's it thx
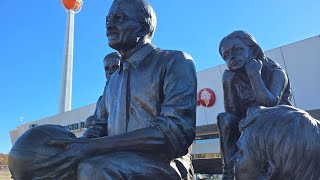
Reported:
(100, 120)
(177, 119)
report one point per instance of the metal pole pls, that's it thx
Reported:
(66, 80)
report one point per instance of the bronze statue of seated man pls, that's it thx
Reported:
(146, 123)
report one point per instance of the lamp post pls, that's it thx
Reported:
(72, 7)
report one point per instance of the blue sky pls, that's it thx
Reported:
(32, 41)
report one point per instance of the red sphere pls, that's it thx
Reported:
(72, 4)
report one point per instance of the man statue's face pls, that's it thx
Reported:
(110, 66)
(123, 26)
(235, 53)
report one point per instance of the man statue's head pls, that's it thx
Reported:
(111, 63)
(281, 142)
(128, 23)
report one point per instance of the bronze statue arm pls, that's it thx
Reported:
(271, 94)
(230, 102)
(150, 140)
(142, 140)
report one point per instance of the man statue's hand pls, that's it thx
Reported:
(253, 67)
(64, 164)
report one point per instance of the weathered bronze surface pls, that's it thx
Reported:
(34, 147)
(252, 79)
(278, 143)
(146, 122)
(111, 63)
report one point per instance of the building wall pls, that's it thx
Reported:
(69, 118)
(210, 78)
(302, 62)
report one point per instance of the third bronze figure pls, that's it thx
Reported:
(252, 79)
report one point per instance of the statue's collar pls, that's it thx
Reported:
(136, 58)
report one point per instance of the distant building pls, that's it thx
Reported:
(301, 60)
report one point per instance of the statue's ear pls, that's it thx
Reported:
(266, 170)
(252, 114)
(253, 109)
(144, 30)
(255, 53)
(270, 172)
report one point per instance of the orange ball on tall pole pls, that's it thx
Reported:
(74, 5)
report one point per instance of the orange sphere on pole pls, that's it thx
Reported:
(72, 4)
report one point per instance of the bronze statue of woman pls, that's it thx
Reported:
(252, 79)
